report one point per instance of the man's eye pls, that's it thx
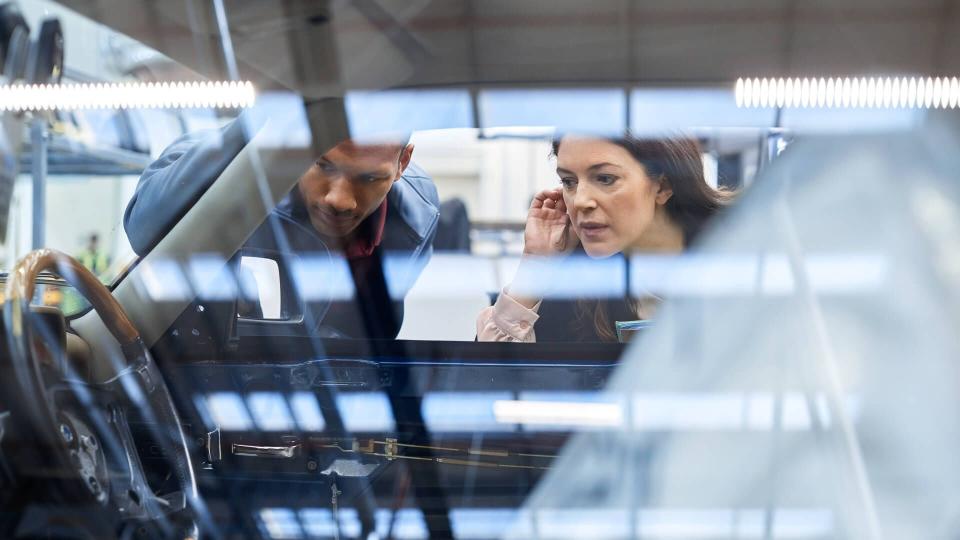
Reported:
(326, 167)
(368, 178)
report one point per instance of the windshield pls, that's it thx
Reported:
(481, 270)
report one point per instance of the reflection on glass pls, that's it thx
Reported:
(228, 411)
(404, 524)
(270, 411)
(464, 412)
(365, 411)
(595, 111)
(374, 114)
(307, 411)
(280, 523)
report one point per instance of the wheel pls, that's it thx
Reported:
(81, 426)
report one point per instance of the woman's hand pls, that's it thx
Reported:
(548, 231)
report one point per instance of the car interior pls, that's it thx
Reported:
(796, 380)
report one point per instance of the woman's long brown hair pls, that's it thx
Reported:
(677, 161)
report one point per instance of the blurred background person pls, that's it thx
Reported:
(92, 257)
(453, 230)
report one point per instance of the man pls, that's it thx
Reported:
(357, 200)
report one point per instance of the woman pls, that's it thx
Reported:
(616, 196)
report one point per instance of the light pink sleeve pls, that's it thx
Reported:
(507, 320)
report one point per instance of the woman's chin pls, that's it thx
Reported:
(599, 250)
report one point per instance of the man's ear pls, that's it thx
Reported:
(405, 156)
(664, 191)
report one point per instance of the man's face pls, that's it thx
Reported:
(349, 183)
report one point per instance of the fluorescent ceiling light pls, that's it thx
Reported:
(849, 92)
(191, 95)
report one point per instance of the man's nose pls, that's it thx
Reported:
(340, 196)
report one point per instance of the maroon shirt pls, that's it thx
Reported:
(370, 234)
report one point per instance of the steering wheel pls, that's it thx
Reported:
(84, 424)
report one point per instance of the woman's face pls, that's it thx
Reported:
(611, 201)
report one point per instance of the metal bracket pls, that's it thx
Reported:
(390, 448)
(214, 452)
(275, 452)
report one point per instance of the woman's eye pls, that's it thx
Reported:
(606, 179)
(568, 183)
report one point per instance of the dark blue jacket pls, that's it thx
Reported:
(173, 183)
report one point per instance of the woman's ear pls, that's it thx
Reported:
(664, 190)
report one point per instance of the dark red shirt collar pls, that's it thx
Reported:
(370, 234)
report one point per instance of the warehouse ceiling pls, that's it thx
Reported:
(321, 48)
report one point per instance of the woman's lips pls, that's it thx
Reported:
(593, 231)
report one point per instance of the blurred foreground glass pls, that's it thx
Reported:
(863, 347)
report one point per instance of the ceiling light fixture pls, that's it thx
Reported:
(849, 92)
(180, 95)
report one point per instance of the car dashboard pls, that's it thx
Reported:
(353, 431)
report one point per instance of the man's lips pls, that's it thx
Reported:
(336, 220)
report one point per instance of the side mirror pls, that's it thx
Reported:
(266, 288)
(252, 294)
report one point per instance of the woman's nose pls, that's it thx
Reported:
(583, 198)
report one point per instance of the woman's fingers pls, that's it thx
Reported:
(544, 196)
(556, 202)
(546, 222)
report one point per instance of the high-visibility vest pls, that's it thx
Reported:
(95, 261)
